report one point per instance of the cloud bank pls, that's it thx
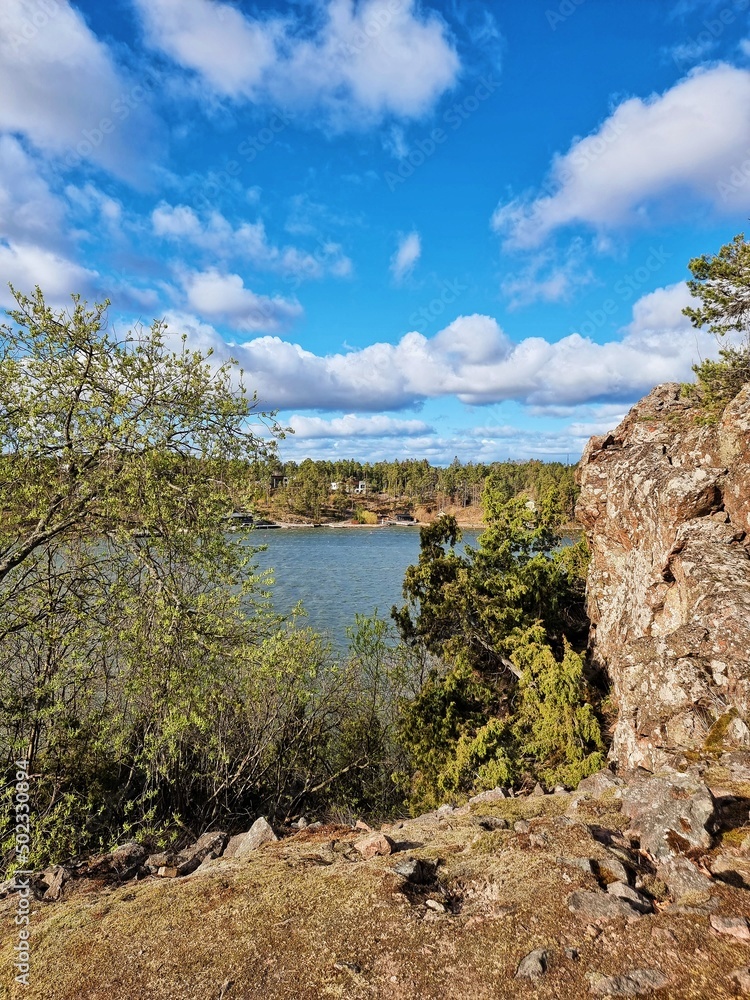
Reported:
(472, 359)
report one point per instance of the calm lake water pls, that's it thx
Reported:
(339, 572)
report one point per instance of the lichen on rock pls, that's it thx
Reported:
(665, 501)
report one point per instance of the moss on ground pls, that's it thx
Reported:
(299, 920)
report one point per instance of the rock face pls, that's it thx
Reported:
(665, 502)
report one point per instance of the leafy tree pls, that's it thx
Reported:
(123, 603)
(721, 283)
(507, 696)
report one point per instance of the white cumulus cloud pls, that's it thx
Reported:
(25, 265)
(352, 425)
(62, 88)
(29, 210)
(224, 297)
(688, 140)
(474, 360)
(359, 63)
(248, 241)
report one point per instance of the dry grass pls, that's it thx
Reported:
(283, 924)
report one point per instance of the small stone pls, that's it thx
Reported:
(433, 904)
(491, 822)
(533, 965)
(573, 954)
(598, 906)
(560, 790)
(522, 826)
(538, 840)
(632, 984)
(376, 845)
(614, 867)
(312, 827)
(260, 833)
(538, 790)
(636, 899)
(167, 871)
(364, 827)
(207, 846)
(54, 890)
(418, 871)
(736, 927)
(584, 864)
(742, 978)
(445, 810)
(348, 967)
(492, 795)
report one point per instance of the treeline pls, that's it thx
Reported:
(307, 486)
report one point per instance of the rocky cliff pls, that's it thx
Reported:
(665, 501)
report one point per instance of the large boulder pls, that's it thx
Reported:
(665, 501)
(671, 814)
(260, 833)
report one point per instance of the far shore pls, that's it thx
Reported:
(566, 529)
(472, 526)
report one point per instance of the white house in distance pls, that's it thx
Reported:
(361, 487)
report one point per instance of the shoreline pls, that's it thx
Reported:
(289, 526)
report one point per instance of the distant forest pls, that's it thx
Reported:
(313, 487)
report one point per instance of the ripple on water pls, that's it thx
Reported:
(338, 572)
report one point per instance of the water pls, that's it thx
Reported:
(339, 572)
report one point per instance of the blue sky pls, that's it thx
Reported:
(425, 230)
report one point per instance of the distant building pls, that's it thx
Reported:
(352, 486)
(278, 479)
(404, 519)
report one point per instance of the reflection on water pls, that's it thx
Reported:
(339, 572)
